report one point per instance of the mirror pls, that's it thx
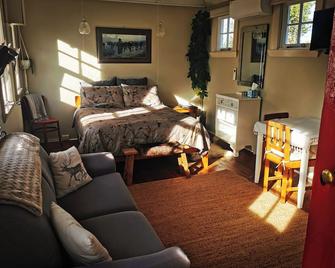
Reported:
(253, 55)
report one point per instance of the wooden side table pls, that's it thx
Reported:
(192, 110)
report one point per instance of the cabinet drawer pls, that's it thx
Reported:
(227, 115)
(227, 102)
(226, 132)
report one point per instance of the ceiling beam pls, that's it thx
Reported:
(181, 3)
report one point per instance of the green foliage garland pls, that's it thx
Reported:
(198, 55)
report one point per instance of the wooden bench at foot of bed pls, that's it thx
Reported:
(145, 152)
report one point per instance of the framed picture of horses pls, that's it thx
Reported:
(123, 45)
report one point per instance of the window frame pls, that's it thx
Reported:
(220, 33)
(6, 105)
(285, 25)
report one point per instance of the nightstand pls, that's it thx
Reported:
(192, 110)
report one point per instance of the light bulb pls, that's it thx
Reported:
(84, 27)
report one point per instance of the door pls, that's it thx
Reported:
(320, 239)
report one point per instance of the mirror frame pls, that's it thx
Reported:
(247, 83)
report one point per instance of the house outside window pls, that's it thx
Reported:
(225, 33)
(298, 24)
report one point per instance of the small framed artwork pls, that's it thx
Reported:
(122, 45)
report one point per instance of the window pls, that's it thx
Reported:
(7, 96)
(298, 24)
(226, 33)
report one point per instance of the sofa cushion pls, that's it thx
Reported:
(28, 240)
(80, 244)
(104, 194)
(69, 171)
(125, 234)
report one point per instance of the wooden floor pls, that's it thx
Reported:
(220, 158)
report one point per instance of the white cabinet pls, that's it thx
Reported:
(235, 119)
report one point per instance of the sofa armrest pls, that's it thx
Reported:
(167, 258)
(98, 164)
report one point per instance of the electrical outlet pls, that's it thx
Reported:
(65, 137)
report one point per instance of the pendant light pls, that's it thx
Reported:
(84, 27)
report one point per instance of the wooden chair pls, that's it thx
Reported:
(44, 126)
(272, 116)
(278, 151)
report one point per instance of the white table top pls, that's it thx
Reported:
(305, 130)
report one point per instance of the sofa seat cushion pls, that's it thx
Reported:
(103, 195)
(125, 234)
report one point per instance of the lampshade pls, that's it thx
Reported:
(84, 27)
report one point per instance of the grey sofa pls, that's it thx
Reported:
(104, 207)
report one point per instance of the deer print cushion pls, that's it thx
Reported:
(106, 96)
(68, 170)
(136, 96)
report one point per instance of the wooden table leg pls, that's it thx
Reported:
(130, 154)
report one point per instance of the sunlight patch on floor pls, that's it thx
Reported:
(268, 207)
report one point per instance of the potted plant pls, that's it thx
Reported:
(198, 55)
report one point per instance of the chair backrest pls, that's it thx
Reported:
(272, 116)
(26, 113)
(278, 139)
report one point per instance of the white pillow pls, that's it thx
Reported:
(82, 246)
(68, 170)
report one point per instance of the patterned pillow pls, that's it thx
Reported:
(82, 246)
(132, 81)
(110, 96)
(111, 82)
(68, 170)
(135, 96)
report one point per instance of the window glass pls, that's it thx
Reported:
(299, 23)
(225, 33)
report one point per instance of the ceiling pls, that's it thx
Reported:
(189, 3)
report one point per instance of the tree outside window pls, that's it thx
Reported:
(299, 23)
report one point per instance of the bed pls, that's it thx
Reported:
(113, 118)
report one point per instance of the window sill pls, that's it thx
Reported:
(293, 53)
(223, 54)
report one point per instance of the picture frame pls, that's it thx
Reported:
(123, 45)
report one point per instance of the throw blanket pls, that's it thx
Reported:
(36, 106)
(20, 172)
(111, 129)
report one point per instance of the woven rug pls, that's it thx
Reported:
(223, 220)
